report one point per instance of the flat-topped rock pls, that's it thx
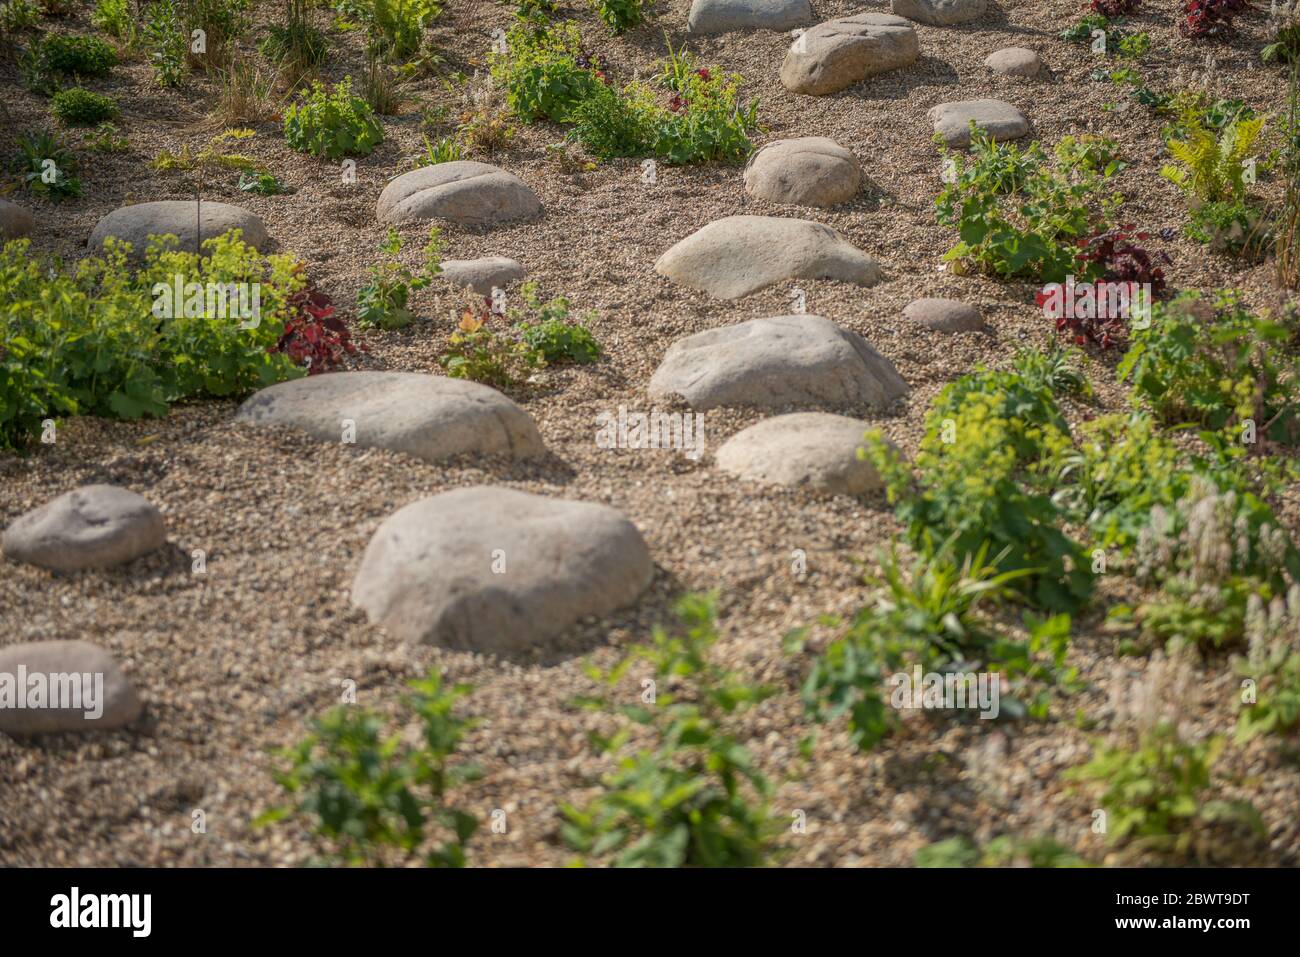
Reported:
(95, 526)
(738, 255)
(64, 686)
(728, 16)
(944, 315)
(490, 569)
(463, 192)
(810, 449)
(15, 221)
(940, 13)
(182, 218)
(771, 363)
(839, 53)
(483, 275)
(999, 119)
(807, 171)
(1015, 61)
(427, 416)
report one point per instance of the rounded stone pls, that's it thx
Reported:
(95, 526)
(803, 449)
(999, 119)
(807, 171)
(463, 192)
(940, 13)
(15, 221)
(839, 53)
(182, 218)
(944, 315)
(80, 688)
(1015, 61)
(483, 275)
(729, 16)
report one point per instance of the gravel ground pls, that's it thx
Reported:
(234, 663)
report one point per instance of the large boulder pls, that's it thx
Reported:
(814, 450)
(1000, 120)
(839, 53)
(807, 171)
(95, 526)
(427, 416)
(51, 686)
(940, 13)
(14, 220)
(729, 16)
(735, 256)
(462, 192)
(182, 218)
(490, 569)
(787, 360)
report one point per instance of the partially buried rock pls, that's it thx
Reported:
(738, 255)
(810, 449)
(95, 526)
(51, 686)
(839, 53)
(429, 417)
(462, 192)
(998, 119)
(727, 16)
(490, 569)
(14, 220)
(483, 275)
(940, 13)
(770, 363)
(808, 171)
(1014, 61)
(181, 218)
(944, 315)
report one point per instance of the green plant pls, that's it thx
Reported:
(477, 352)
(295, 46)
(1235, 226)
(80, 107)
(264, 184)
(485, 131)
(167, 41)
(247, 93)
(17, 16)
(621, 15)
(540, 72)
(374, 798)
(48, 168)
(1211, 168)
(222, 23)
(447, 150)
(693, 797)
(1272, 666)
(1285, 45)
(1005, 850)
(398, 25)
(115, 18)
(548, 331)
(332, 123)
(379, 88)
(382, 301)
(56, 56)
(107, 138)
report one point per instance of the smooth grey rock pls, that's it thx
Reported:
(735, 256)
(430, 417)
(179, 217)
(15, 221)
(839, 53)
(807, 171)
(999, 119)
(944, 315)
(940, 13)
(787, 360)
(728, 16)
(62, 666)
(95, 526)
(463, 192)
(813, 449)
(490, 569)
(1015, 61)
(483, 275)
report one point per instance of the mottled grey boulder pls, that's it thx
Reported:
(735, 256)
(727, 16)
(95, 526)
(1014, 61)
(14, 220)
(483, 275)
(463, 192)
(427, 416)
(491, 569)
(838, 53)
(940, 13)
(944, 315)
(811, 449)
(808, 171)
(1000, 120)
(50, 686)
(182, 218)
(787, 360)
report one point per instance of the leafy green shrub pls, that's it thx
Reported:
(398, 25)
(1019, 214)
(332, 123)
(47, 167)
(377, 798)
(382, 301)
(987, 471)
(107, 138)
(93, 340)
(694, 797)
(477, 352)
(548, 331)
(1216, 365)
(80, 107)
(1003, 851)
(18, 15)
(540, 72)
(295, 46)
(115, 18)
(610, 123)
(167, 41)
(1236, 227)
(1211, 168)
(54, 57)
(621, 15)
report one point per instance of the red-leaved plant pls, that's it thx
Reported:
(1206, 19)
(1113, 8)
(313, 336)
